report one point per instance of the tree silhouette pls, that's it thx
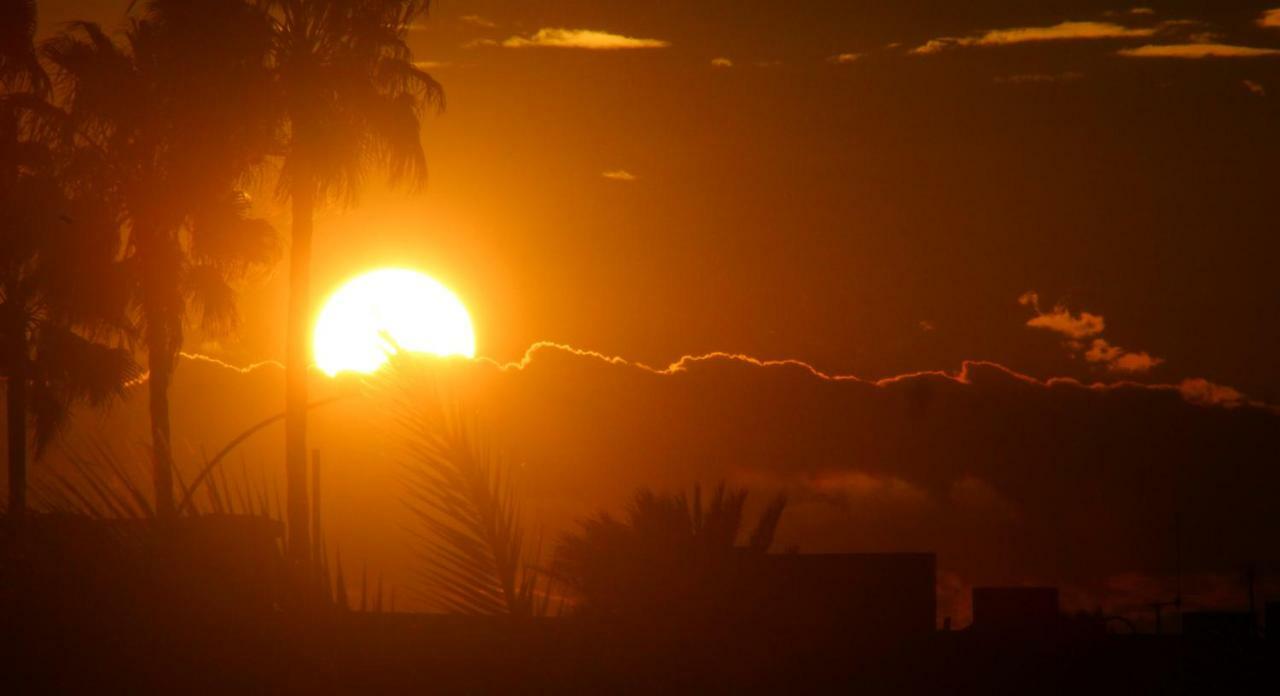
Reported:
(20, 69)
(57, 276)
(165, 124)
(353, 101)
(669, 554)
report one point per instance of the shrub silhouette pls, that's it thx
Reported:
(668, 555)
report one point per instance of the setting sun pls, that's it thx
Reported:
(380, 312)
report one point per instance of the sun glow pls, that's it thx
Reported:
(381, 312)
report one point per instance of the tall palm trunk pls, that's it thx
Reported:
(160, 364)
(158, 311)
(297, 358)
(16, 412)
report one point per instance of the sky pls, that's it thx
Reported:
(868, 187)
(1010, 203)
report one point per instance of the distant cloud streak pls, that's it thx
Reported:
(582, 38)
(1039, 78)
(1197, 50)
(721, 62)
(1270, 19)
(620, 175)
(478, 21)
(844, 58)
(1064, 31)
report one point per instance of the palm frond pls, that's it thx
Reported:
(462, 498)
(671, 553)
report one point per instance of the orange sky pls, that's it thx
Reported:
(1074, 190)
(794, 205)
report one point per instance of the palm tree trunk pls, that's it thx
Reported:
(160, 363)
(16, 412)
(297, 358)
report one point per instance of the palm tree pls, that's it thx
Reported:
(669, 555)
(56, 263)
(20, 68)
(353, 101)
(56, 286)
(166, 124)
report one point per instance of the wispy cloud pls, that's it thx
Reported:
(582, 38)
(1270, 18)
(844, 58)
(620, 175)
(477, 21)
(1255, 88)
(1118, 359)
(1039, 78)
(1197, 50)
(1064, 31)
(1061, 320)
(430, 64)
(1132, 11)
(1202, 391)
(721, 62)
(479, 43)
(1083, 332)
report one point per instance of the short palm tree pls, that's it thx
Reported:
(165, 125)
(668, 555)
(353, 101)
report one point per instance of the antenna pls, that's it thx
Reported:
(1177, 560)
(1176, 604)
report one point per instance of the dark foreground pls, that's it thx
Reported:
(368, 653)
(89, 607)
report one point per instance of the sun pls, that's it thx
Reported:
(378, 313)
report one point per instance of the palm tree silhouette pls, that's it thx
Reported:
(165, 124)
(353, 100)
(20, 69)
(56, 273)
(668, 555)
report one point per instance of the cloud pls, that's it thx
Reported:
(582, 38)
(1060, 320)
(619, 175)
(1006, 476)
(1255, 88)
(1039, 78)
(1133, 12)
(477, 21)
(721, 62)
(1065, 31)
(1206, 393)
(1270, 19)
(844, 58)
(430, 64)
(1197, 50)
(1079, 328)
(1118, 359)
(479, 43)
